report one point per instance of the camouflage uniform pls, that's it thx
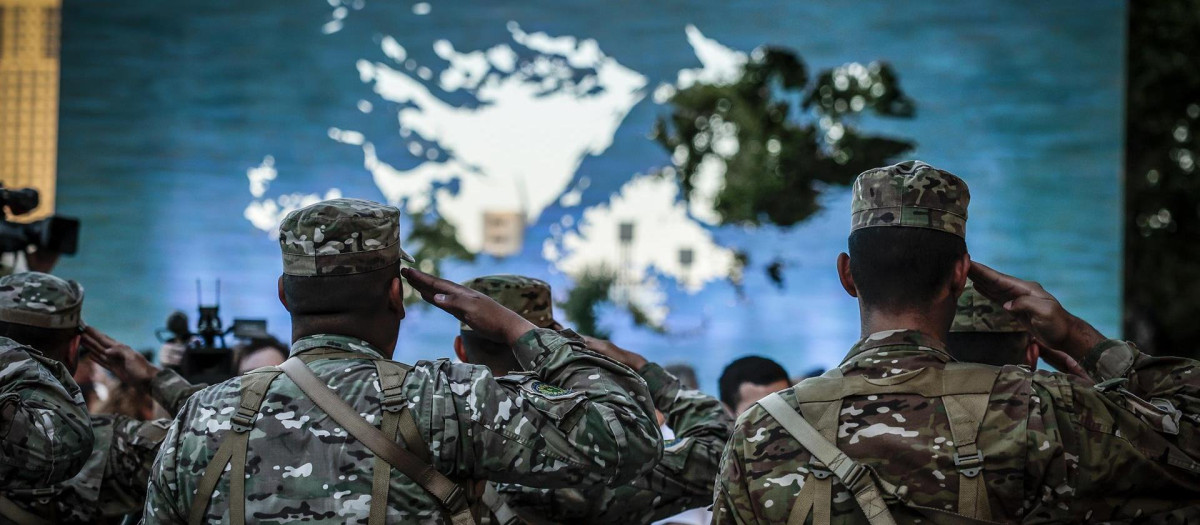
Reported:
(1054, 448)
(112, 482)
(43, 417)
(573, 418)
(681, 480)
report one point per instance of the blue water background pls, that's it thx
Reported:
(166, 104)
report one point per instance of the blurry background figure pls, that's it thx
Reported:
(749, 379)
(812, 372)
(93, 381)
(124, 399)
(258, 353)
(685, 373)
(171, 353)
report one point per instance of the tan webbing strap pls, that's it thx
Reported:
(502, 513)
(965, 413)
(391, 386)
(233, 450)
(438, 485)
(853, 475)
(816, 497)
(10, 510)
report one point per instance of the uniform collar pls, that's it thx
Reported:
(908, 340)
(341, 342)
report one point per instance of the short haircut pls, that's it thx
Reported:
(751, 369)
(482, 351)
(896, 268)
(338, 294)
(989, 348)
(47, 340)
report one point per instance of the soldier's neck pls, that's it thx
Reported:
(875, 320)
(381, 335)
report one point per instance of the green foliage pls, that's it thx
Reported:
(434, 241)
(592, 289)
(1162, 190)
(775, 165)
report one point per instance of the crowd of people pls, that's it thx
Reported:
(938, 414)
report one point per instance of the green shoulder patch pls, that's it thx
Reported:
(549, 390)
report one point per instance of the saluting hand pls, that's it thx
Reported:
(1040, 312)
(129, 366)
(486, 317)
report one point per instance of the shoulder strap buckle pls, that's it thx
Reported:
(852, 478)
(969, 465)
(243, 419)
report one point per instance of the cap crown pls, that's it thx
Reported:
(41, 300)
(340, 237)
(526, 296)
(912, 194)
(976, 313)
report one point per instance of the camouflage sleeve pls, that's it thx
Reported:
(170, 390)
(45, 431)
(683, 479)
(1163, 391)
(731, 498)
(132, 450)
(574, 418)
(1091, 458)
(164, 502)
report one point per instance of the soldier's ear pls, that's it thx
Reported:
(458, 349)
(282, 297)
(959, 281)
(1032, 352)
(396, 296)
(844, 275)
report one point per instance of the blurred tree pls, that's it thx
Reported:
(775, 166)
(592, 289)
(1162, 190)
(435, 242)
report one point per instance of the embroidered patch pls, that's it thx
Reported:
(549, 390)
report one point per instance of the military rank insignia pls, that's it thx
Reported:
(549, 390)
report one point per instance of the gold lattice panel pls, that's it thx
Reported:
(29, 46)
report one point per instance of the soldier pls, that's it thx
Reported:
(903, 430)
(317, 438)
(43, 311)
(748, 379)
(681, 480)
(44, 433)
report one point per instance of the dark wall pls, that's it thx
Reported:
(1162, 207)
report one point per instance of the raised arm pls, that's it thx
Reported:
(575, 417)
(45, 432)
(168, 388)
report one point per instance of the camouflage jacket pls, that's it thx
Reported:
(44, 433)
(113, 481)
(575, 418)
(683, 479)
(1056, 449)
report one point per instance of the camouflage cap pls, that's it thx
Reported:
(524, 295)
(912, 194)
(340, 237)
(41, 300)
(976, 313)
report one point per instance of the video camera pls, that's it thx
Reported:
(206, 357)
(57, 233)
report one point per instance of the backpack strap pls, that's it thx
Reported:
(232, 450)
(816, 496)
(501, 512)
(391, 385)
(447, 492)
(855, 476)
(965, 413)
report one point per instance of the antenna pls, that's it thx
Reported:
(199, 294)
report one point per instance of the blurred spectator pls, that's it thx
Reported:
(685, 373)
(749, 379)
(171, 353)
(258, 353)
(93, 382)
(130, 400)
